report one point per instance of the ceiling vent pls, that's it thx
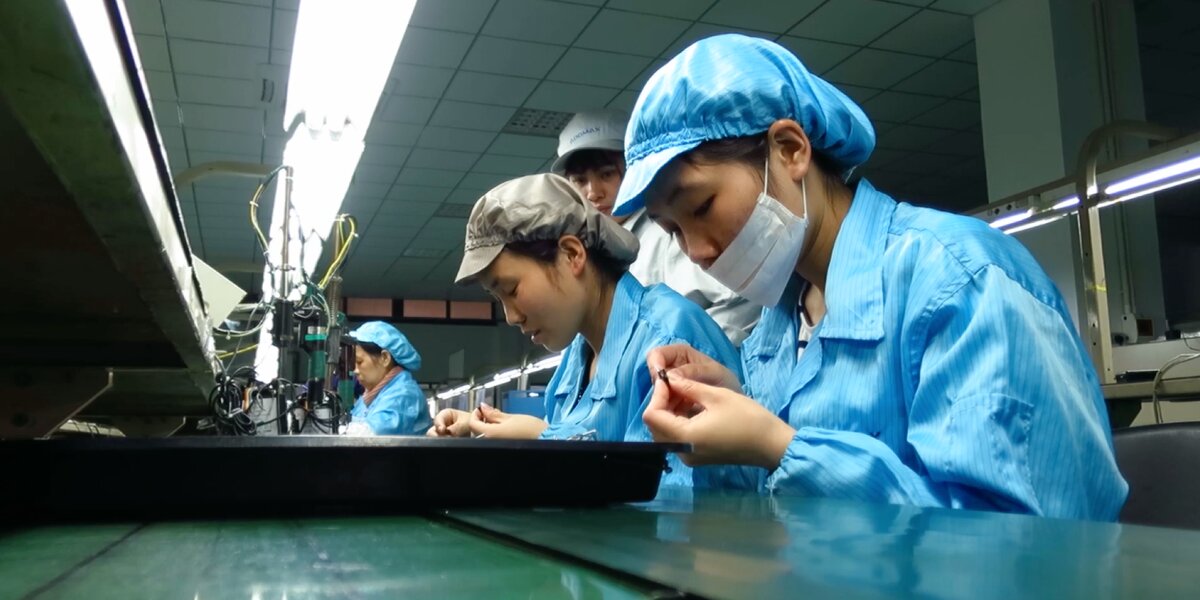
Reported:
(544, 123)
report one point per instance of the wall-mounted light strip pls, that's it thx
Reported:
(1168, 165)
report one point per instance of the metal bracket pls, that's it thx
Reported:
(35, 402)
(1098, 332)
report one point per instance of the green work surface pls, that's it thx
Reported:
(390, 557)
(749, 546)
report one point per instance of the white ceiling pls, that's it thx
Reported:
(466, 66)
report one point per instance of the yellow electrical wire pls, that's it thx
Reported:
(231, 352)
(343, 248)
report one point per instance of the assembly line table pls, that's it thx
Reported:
(715, 545)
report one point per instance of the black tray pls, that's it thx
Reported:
(228, 476)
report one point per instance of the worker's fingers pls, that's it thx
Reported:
(711, 373)
(665, 414)
(672, 356)
(490, 415)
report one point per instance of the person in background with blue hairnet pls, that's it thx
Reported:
(393, 403)
(904, 355)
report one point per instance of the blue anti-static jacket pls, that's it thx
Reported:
(946, 372)
(398, 409)
(641, 318)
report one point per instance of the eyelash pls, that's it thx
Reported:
(703, 208)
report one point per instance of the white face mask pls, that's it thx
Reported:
(763, 255)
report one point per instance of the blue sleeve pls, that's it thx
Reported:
(401, 410)
(1006, 415)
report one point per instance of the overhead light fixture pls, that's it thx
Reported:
(1170, 172)
(451, 393)
(1007, 220)
(1066, 203)
(495, 382)
(342, 53)
(1165, 166)
(548, 362)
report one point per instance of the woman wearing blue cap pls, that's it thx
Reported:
(393, 403)
(904, 355)
(560, 269)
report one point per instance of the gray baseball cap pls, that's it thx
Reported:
(596, 130)
(534, 208)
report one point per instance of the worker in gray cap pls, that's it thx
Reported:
(590, 156)
(560, 269)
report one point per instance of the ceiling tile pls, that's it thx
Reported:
(775, 17)
(152, 52)
(680, 9)
(507, 165)
(483, 180)
(219, 90)
(417, 212)
(470, 115)
(817, 55)
(912, 137)
(971, 94)
(852, 21)
(593, 67)
(216, 60)
(283, 29)
(538, 21)
(392, 133)
(899, 107)
(511, 57)
(465, 196)
(876, 68)
(375, 173)
(699, 31)
(418, 193)
(222, 118)
(569, 97)
(145, 16)
(171, 136)
(425, 158)
(858, 93)
(929, 33)
(161, 84)
(966, 7)
(206, 140)
(417, 80)
(966, 53)
(429, 177)
(944, 78)
(433, 48)
(524, 145)
(954, 114)
(449, 138)
(407, 109)
(647, 73)
(455, 15)
(166, 113)
(624, 101)
(496, 89)
(647, 35)
(963, 143)
(923, 163)
(220, 22)
(364, 189)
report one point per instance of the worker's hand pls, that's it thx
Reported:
(723, 426)
(451, 423)
(489, 422)
(686, 362)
